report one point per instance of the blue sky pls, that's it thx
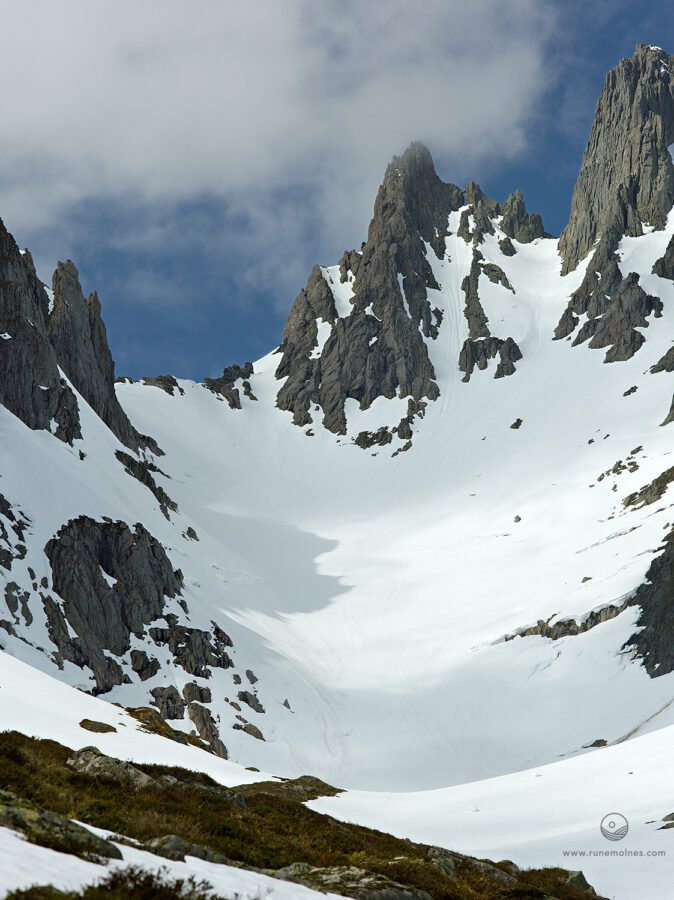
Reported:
(195, 167)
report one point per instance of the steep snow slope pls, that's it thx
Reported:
(373, 593)
(52, 710)
(402, 576)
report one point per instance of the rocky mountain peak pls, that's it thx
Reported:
(412, 190)
(77, 334)
(31, 386)
(360, 332)
(626, 182)
(627, 175)
(43, 340)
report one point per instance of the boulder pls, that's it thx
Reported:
(53, 830)
(90, 761)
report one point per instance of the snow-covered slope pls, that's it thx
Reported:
(386, 586)
(548, 815)
(319, 587)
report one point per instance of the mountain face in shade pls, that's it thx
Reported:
(432, 507)
(31, 385)
(77, 334)
(50, 340)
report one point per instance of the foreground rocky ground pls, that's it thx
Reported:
(262, 827)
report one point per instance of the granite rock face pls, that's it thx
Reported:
(31, 385)
(78, 336)
(371, 339)
(654, 639)
(195, 650)
(480, 346)
(225, 385)
(664, 267)
(142, 470)
(143, 665)
(37, 336)
(90, 761)
(517, 223)
(629, 307)
(169, 702)
(626, 181)
(13, 524)
(627, 175)
(208, 730)
(378, 349)
(113, 582)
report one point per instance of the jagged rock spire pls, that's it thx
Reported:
(626, 181)
(78, 336)
(627, 175)
(378, 347)
(31, 386)
(38, 338)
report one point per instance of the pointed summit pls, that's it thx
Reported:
(78, 336)
(626, 182)
(360, 331)
(627, 175)
(31, 386)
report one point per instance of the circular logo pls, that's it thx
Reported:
(614, 827)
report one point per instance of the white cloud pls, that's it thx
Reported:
(287, 111)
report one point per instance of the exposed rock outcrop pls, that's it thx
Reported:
(192, 648)
(77, 334)
(652, 492)
(31, 385)
(473, 311)
(506, 247)
(113, 582)
(194, 692)
(173, 847)
(478, 353)
(629, 307)
(142, 470)
(251, 700)
(350, 881)
(626, 180)
(496, 275)
(143, 665)
(166, 383)
(664, 267)
(43, 342)
(670, 415)
(225, 385)
(627, 175)
(50, 829)
(378, 349)
(517, 223)
(653, 641)
(169, 702)
(13, 525)
(249, 729)
(207, 729)
(481, 346)
(90, 761)
(569, 627)
(665, 364)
